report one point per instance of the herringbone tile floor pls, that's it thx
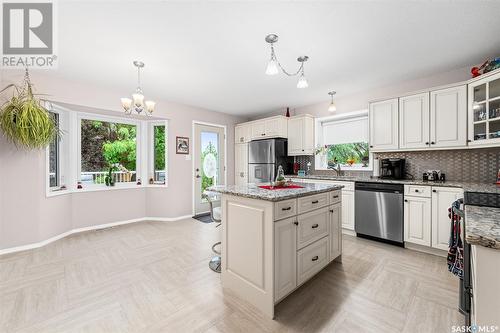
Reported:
(154, 277)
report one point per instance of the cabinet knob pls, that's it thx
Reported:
(302, 149)
(263, 134)
(331, 210)
(371, 146)
(416, 190)
(406, 200)
(314, 258)
(433, 143)
(469, 140)
(427, 143)
(434, 191)
(314, 226)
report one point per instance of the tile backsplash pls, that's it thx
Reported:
(474, 165)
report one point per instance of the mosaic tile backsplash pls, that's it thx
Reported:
(474, 165)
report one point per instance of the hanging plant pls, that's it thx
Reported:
(23, 119)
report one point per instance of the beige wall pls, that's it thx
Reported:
(359, 101)
(27, 216)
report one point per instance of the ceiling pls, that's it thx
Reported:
(213, 55)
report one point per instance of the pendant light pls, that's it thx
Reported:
(332, 107)
(274, 66)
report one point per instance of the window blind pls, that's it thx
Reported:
(348, 130)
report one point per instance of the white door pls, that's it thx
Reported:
(335, 231)
(241, 163)
(348, 210)
(384, 124)
(414, 121)
(285, 254)
(442, 198)
(295, 136)
(449, 117)
(417, 220)
(209, 162)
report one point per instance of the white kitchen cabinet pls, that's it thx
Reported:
(285, 244)
(312, 226)
(414, 123)
(273, 127)
(448, 117)
(484, 111)
(442, 198)
(241, 163)
(348, 209)
(335, 231)
(242, 133)
(384, 125)
(301, 135)
(417, 220)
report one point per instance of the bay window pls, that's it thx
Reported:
(343, 139)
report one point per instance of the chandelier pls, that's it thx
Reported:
(137, 102)
(274, 66)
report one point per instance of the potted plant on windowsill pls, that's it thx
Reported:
(109, 180)
(23, 119)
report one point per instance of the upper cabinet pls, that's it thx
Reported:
(242, 133)
(273, 127)
(484, 111)
(301, 135)
(448, 117)
(414, 121)
(384, 124)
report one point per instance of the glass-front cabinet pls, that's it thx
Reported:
(484, 111)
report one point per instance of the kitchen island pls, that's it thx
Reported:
(275, 240)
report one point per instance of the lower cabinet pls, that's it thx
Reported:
(348, 209)
(417, 220)
(442, 198)
(335, 231)
(305, 244)
(285, 247)
(426, 220)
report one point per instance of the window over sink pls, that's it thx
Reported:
(343, 139)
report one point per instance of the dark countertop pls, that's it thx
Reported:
(255, 192)
(466, 186)
(482, 226)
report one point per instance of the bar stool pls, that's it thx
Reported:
(216, 217)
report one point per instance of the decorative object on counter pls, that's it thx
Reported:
(137, 103)
(274, 66)
(487, 66)
(296, 167)
(442, 177)
(23, 119)
(280, 177)
(332, 107)
(284, 187)
(365, 160)
(308, 171)
(432, 175)
(301, 173)
(376, 167)
(287, 112)
(182, 145)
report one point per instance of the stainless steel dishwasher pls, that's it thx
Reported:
(379, 211)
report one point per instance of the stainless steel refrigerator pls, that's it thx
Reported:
(264, 157)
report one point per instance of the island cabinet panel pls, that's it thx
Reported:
(335, 221)
(312, 226)
(248, 250)
(285, 248)
(311, 259)
(312, 202)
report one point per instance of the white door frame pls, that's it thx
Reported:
(198, 122)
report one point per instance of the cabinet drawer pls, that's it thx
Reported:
(311, 259)
(284, 209)
(312, 226)
(418, 191)
(309, 203)
(335, 196)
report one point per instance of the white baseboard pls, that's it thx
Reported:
(94, 227)
(426, 249)
(349, 232)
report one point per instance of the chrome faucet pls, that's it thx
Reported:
(338, 170)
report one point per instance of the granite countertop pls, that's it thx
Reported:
(466, 186)
(255, 192)
(482, 226)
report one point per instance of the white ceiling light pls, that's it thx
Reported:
(332, 107)
(274, 66)
(137, 103)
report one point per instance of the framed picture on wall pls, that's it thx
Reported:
(182, 145)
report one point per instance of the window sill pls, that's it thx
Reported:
(353, 168)
(56, 192)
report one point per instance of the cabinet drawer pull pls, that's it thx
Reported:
(296, 222)
(286, 208)
(314, 258)
(335, 196)
(315, 201)
(416, 190)
(331, 210)
(314, 226)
